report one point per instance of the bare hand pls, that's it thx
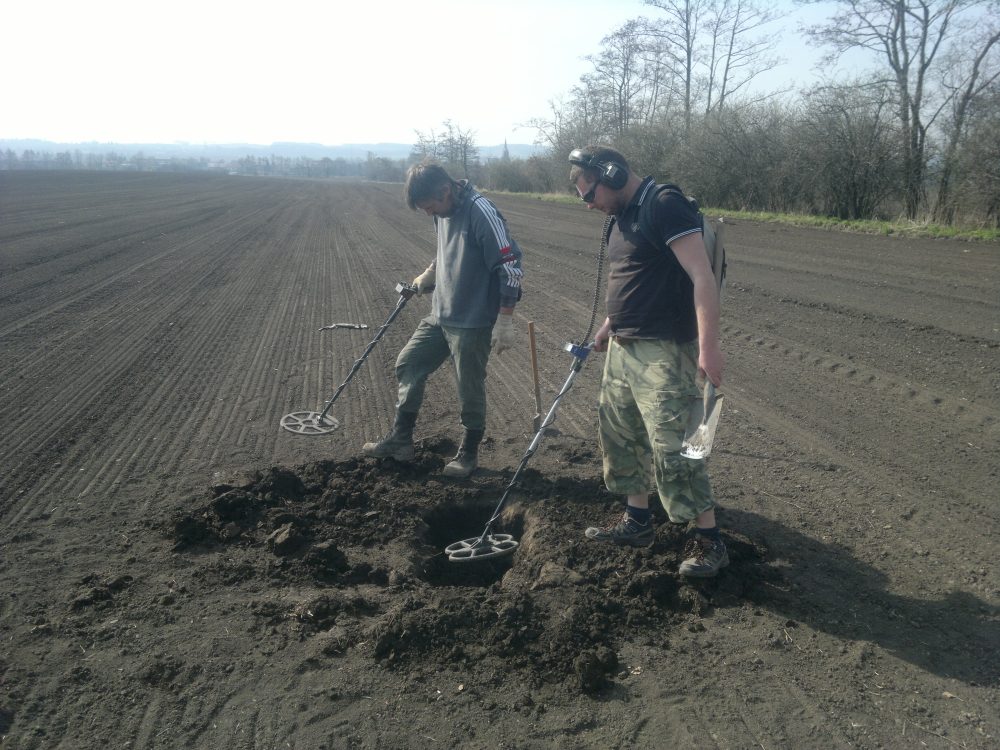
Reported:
(603, 336)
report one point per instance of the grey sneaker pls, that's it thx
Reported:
(703, 557)
(391, 446)
(625, 531)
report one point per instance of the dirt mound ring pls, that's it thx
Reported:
(371, 537)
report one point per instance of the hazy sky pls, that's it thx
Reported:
(331, 72)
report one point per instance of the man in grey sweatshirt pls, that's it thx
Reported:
(476, 281)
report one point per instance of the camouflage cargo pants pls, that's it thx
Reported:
(647, 391)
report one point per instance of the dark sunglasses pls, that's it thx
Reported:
(588, 197)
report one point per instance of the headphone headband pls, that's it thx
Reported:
(580, 158)
(611, 173)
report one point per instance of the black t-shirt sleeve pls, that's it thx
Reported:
(674, 216)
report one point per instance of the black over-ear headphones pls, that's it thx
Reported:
(610, 173)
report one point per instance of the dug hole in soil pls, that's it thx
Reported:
(372, 535)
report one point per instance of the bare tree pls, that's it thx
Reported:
(735, 56)
(550, 130)
(853, 148)
(966, 80)
(678, 31)
(908, 34)
(714, 48)
(979, 159)
(572, 122)
(456, 149)
(460, 147)
(627, 81)
(426, 147)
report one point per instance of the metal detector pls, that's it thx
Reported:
(490, 546)
(319, 423)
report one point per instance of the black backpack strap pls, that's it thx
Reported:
(646, 208)
(646, 204)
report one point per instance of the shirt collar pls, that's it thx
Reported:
(645, 187)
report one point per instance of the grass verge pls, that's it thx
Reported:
(898, 228)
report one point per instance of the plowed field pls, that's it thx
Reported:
(176, 571)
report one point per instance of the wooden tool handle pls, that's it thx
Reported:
(534, 373)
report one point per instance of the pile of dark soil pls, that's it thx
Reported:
(370, 537)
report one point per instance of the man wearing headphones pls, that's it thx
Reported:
(476, 281)
(661, 334)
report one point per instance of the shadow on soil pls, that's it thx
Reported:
(956, 636)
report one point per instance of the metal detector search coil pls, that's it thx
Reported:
(481, 548)
(309, 423)
(318, 423)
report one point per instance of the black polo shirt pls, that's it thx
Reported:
(650, 295)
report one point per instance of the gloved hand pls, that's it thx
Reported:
(425, 281)
(503, 333)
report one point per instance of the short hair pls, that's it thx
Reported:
(424, 182)
(598, 155)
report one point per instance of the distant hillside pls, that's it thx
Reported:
(227, 151)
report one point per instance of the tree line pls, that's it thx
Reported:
(914, 133)
(372, 168)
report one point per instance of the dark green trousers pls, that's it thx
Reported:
(428, 348)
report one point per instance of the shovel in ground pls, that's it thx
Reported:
(702, 421)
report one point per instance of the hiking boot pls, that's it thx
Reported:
(624, 530)
(467, 458)
(398, 444)
(703, 557)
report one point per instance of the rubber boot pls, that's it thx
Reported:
(398, 444)
(467, 458)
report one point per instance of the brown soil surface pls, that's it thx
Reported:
(177, 571)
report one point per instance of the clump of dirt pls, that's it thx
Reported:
(370, 536)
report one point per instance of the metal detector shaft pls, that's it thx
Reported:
(579, 355)
(405, 292)
(488, 546)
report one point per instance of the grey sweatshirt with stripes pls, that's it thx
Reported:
(478, 264)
